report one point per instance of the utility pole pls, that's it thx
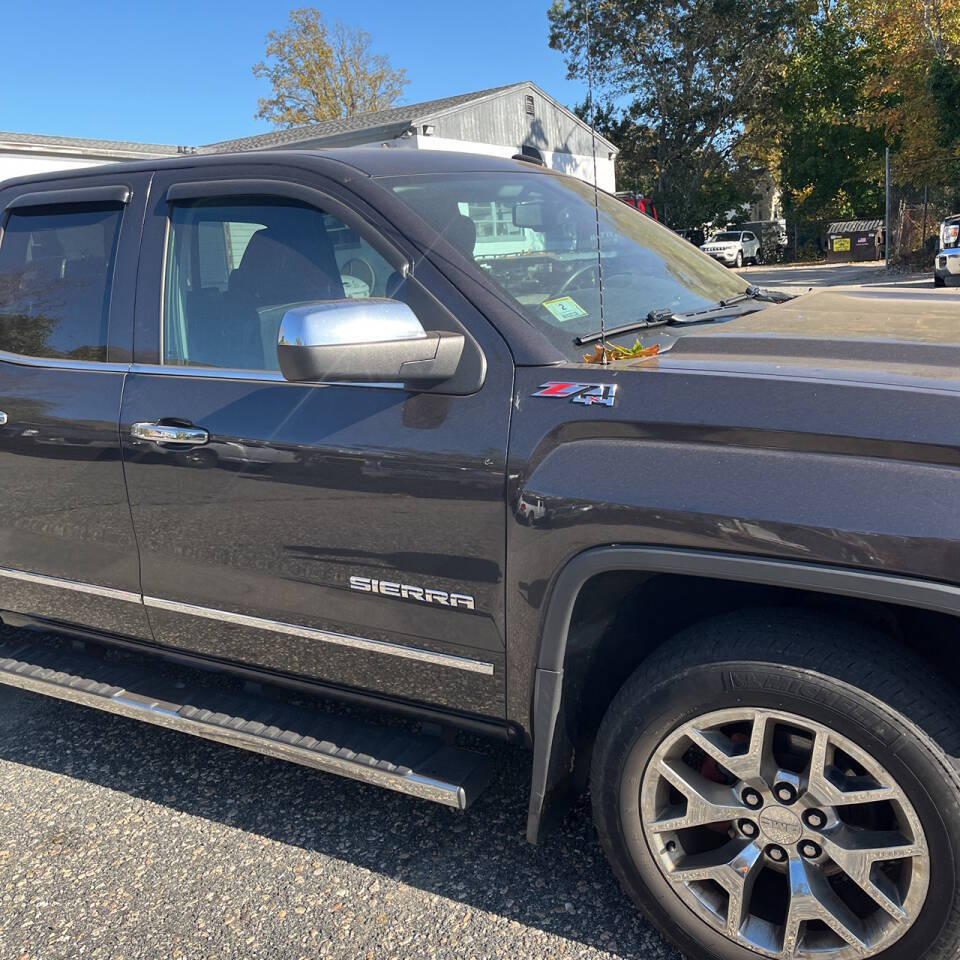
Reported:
(886, 221)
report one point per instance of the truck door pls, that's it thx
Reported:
(68, 261)
(349, 533)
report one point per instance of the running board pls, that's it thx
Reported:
(143, 688)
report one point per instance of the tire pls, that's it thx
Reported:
(739, 261)
(939, 281)
(849, 680)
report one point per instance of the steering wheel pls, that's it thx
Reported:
(621, 279)
(360, 270)
(571, 282)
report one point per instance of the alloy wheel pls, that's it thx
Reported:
(780, 833)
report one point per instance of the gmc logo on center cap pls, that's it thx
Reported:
(586, 393)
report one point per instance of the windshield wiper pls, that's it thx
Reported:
(659, 318)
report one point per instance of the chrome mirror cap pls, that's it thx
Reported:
(338, 322)
(364, 341)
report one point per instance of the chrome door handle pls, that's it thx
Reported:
(3, 419)
(169, 433)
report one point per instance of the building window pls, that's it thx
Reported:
(529, 105)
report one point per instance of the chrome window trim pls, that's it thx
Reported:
(58, 364)
(258, 623)
(325, 636)
(79, 587)
(265, 376)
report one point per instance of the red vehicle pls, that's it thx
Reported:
(643, 204)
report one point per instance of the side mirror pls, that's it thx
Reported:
(364, 341)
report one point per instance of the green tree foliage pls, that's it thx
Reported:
(686, 77)
(944, 83)
(318, 72)
(831, 155)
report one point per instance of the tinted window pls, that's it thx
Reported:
(726, 237)
(749, 236)
(55, 273)
(233, 269)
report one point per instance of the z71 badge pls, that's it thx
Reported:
(588, 393)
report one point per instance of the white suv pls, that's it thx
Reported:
(733, 247)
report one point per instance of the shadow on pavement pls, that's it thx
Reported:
(563, 886)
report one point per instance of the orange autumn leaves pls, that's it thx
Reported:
(616, 352)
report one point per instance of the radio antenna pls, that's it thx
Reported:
(596, 187)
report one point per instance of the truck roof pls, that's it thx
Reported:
(369, 161)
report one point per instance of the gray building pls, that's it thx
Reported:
(502, 121)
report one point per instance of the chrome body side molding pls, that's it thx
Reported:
(110, 593)
(258, 623)
(325, 636)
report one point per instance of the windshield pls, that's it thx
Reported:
(535, 236)
(725, 237)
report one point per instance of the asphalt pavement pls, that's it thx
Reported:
(798, 278)
(122, 840)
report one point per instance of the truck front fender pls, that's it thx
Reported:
(550, 757)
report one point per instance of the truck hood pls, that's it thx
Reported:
(865, 335)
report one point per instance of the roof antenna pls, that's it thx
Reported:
(596, 188)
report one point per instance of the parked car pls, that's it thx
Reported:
(947, 262)
(734, 247)
(691, 578)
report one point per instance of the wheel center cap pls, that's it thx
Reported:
(780, 826)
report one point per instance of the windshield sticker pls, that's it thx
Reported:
(565, 308)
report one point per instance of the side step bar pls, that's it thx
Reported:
(140, 687)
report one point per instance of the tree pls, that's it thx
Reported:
(945, 91)
(323, 73)
(916, 48)
(688, 74)
(727, 185)
(830, 149)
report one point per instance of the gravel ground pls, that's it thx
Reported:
(121, 840)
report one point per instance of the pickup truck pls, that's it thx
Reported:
(386, 440)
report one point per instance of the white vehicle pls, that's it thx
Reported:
(733, 247)
(947, 263)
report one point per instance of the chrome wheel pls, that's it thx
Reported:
(780, 833)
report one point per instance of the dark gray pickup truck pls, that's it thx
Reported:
(323, 424)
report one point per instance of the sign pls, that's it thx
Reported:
(564, 309)
(841, 243)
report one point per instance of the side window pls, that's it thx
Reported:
(234, 268)
(749, 237)
(56, 268)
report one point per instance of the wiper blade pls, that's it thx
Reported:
(655, 318)
(770, 296)
(658, 318)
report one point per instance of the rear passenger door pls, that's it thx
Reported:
(266, 539)
(68, 261)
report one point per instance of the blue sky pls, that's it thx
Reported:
(180, 72)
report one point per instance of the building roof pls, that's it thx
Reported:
(78, 146)
(855, 226)
(381, 124)
(368, 127)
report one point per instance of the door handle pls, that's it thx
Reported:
(3, 419)
(170, 433)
